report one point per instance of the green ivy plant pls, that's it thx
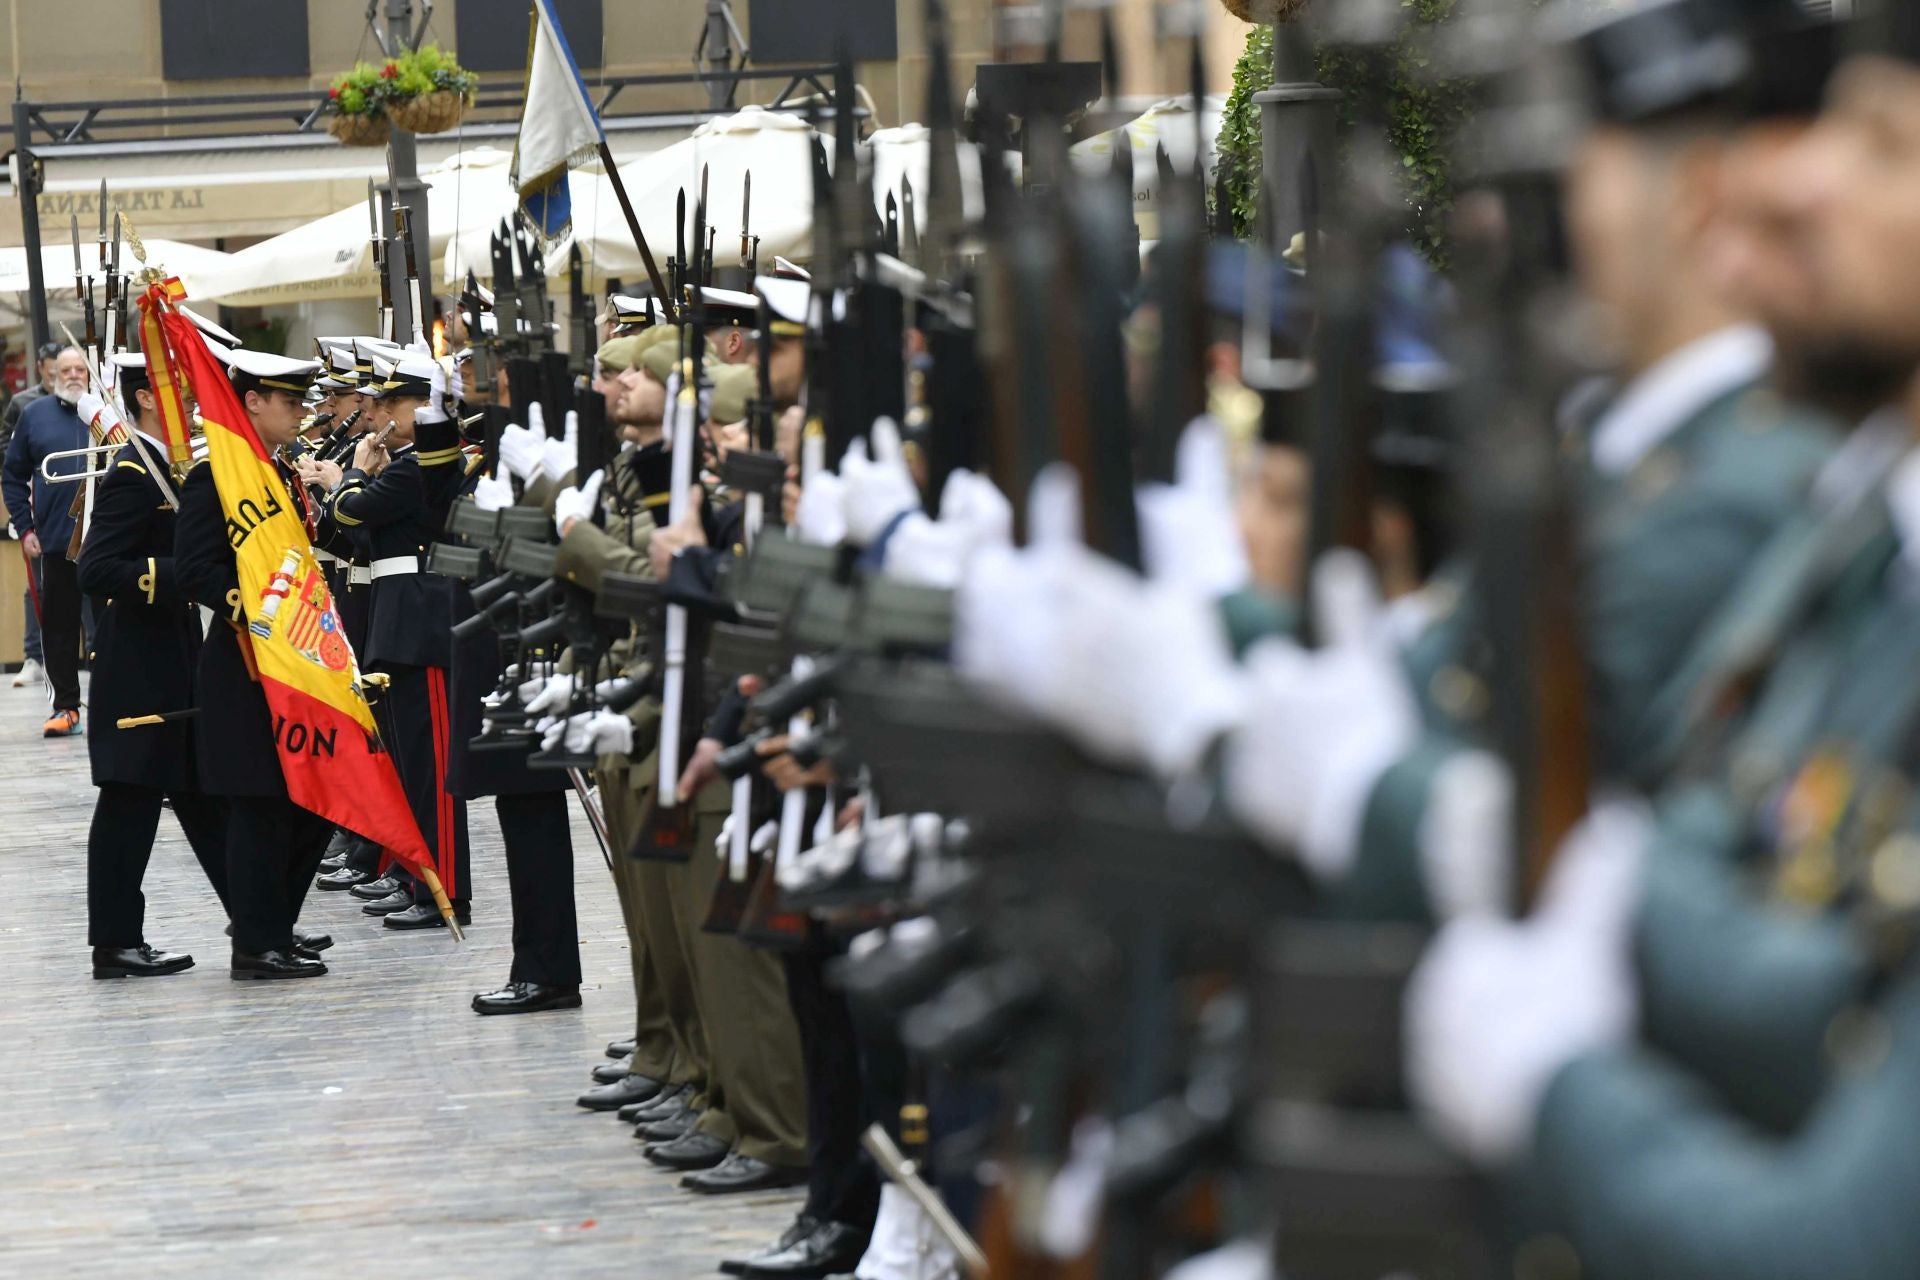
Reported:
(1423, 114)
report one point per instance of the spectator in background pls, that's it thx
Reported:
(42, 515)
(31, 671)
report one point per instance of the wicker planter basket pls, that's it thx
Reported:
(360, 130)
(434, 112)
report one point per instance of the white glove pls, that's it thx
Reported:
(493, 493)
(1007, 608)
(822, 518)
(906, 1245)
(934, 553)
(878, 488)
(1465, 839)
(435, 409)
(974, 502)
(764, 838)
(1174, 669)
(1188, 530)
(549, 696)
(723, 841)
(1321, 726)
(96, 412)
(1497, 1007)
(578, 503)
(600, 733)
(557, 457)
(457, 381)
(520, 451)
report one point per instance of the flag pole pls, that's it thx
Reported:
(440, 901)
(639, 236)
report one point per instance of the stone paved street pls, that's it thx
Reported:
(362, 1124)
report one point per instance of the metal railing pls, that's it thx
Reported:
(302, 111)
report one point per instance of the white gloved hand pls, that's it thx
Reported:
(578, 503)
(1174, 669)
(557, 457)
(551, 697)
(821, 519)
(1006, 611)
(934, 553)
(1465, 837)
(878, 486)
(96, 412)
(435, 409)
(1188, 529)
(764, 838)
(457, 382)
(1497, 1007)
(724, 840)
(520, 451)
(974, 502)
(610, 734)
(1321, 725)
(493, 493)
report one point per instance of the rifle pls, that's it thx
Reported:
(749, 243)
(579, 317)
(506, 299)
(384, 326)
(402, 218)
(481, 367)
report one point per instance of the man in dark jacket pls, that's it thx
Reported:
(41, 515)
(273, 845)
(148, 644)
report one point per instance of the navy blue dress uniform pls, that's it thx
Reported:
(273, 846)
(531, 805)
(396, 517)
(146, 645)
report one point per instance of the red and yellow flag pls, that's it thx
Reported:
(161, 373)
(330, 751)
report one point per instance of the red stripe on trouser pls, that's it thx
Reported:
(446, 850)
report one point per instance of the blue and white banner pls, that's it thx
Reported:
(558, 125)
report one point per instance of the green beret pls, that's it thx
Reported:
(733, 387)
(617, 355)
(659, 358)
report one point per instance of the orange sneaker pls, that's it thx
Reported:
(63, 725)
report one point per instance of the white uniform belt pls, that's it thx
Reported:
(325, 557)
(392, 566)
(359, 575)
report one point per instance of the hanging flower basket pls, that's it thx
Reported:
(435, 112)
(359, 130)
(1263, 10)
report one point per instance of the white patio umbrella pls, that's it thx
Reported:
(1169, 124)
(331, 257)
(902, 151)
(775, 147)
(188, 261)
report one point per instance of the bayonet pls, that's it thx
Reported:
(909, 224)
(944, 214)
(379, 242)
(749, 243)
(700, 238)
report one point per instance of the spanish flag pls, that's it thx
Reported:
(330, 751)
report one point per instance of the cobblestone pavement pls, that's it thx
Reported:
(363, 1124)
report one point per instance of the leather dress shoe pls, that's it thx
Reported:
(342, 878)
(398, 900)
(311, 939)
(668, 1104)
(688, 1153)
(526, 997)
(612, 1097)
(305, 953)
(738, 1173)
(137, 962)
(371, 889)
(608, 1072)
(620, 1048)
(422, 915)
(274, 964)
(799, 1229)
(670, 1129)
(832, 1248)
